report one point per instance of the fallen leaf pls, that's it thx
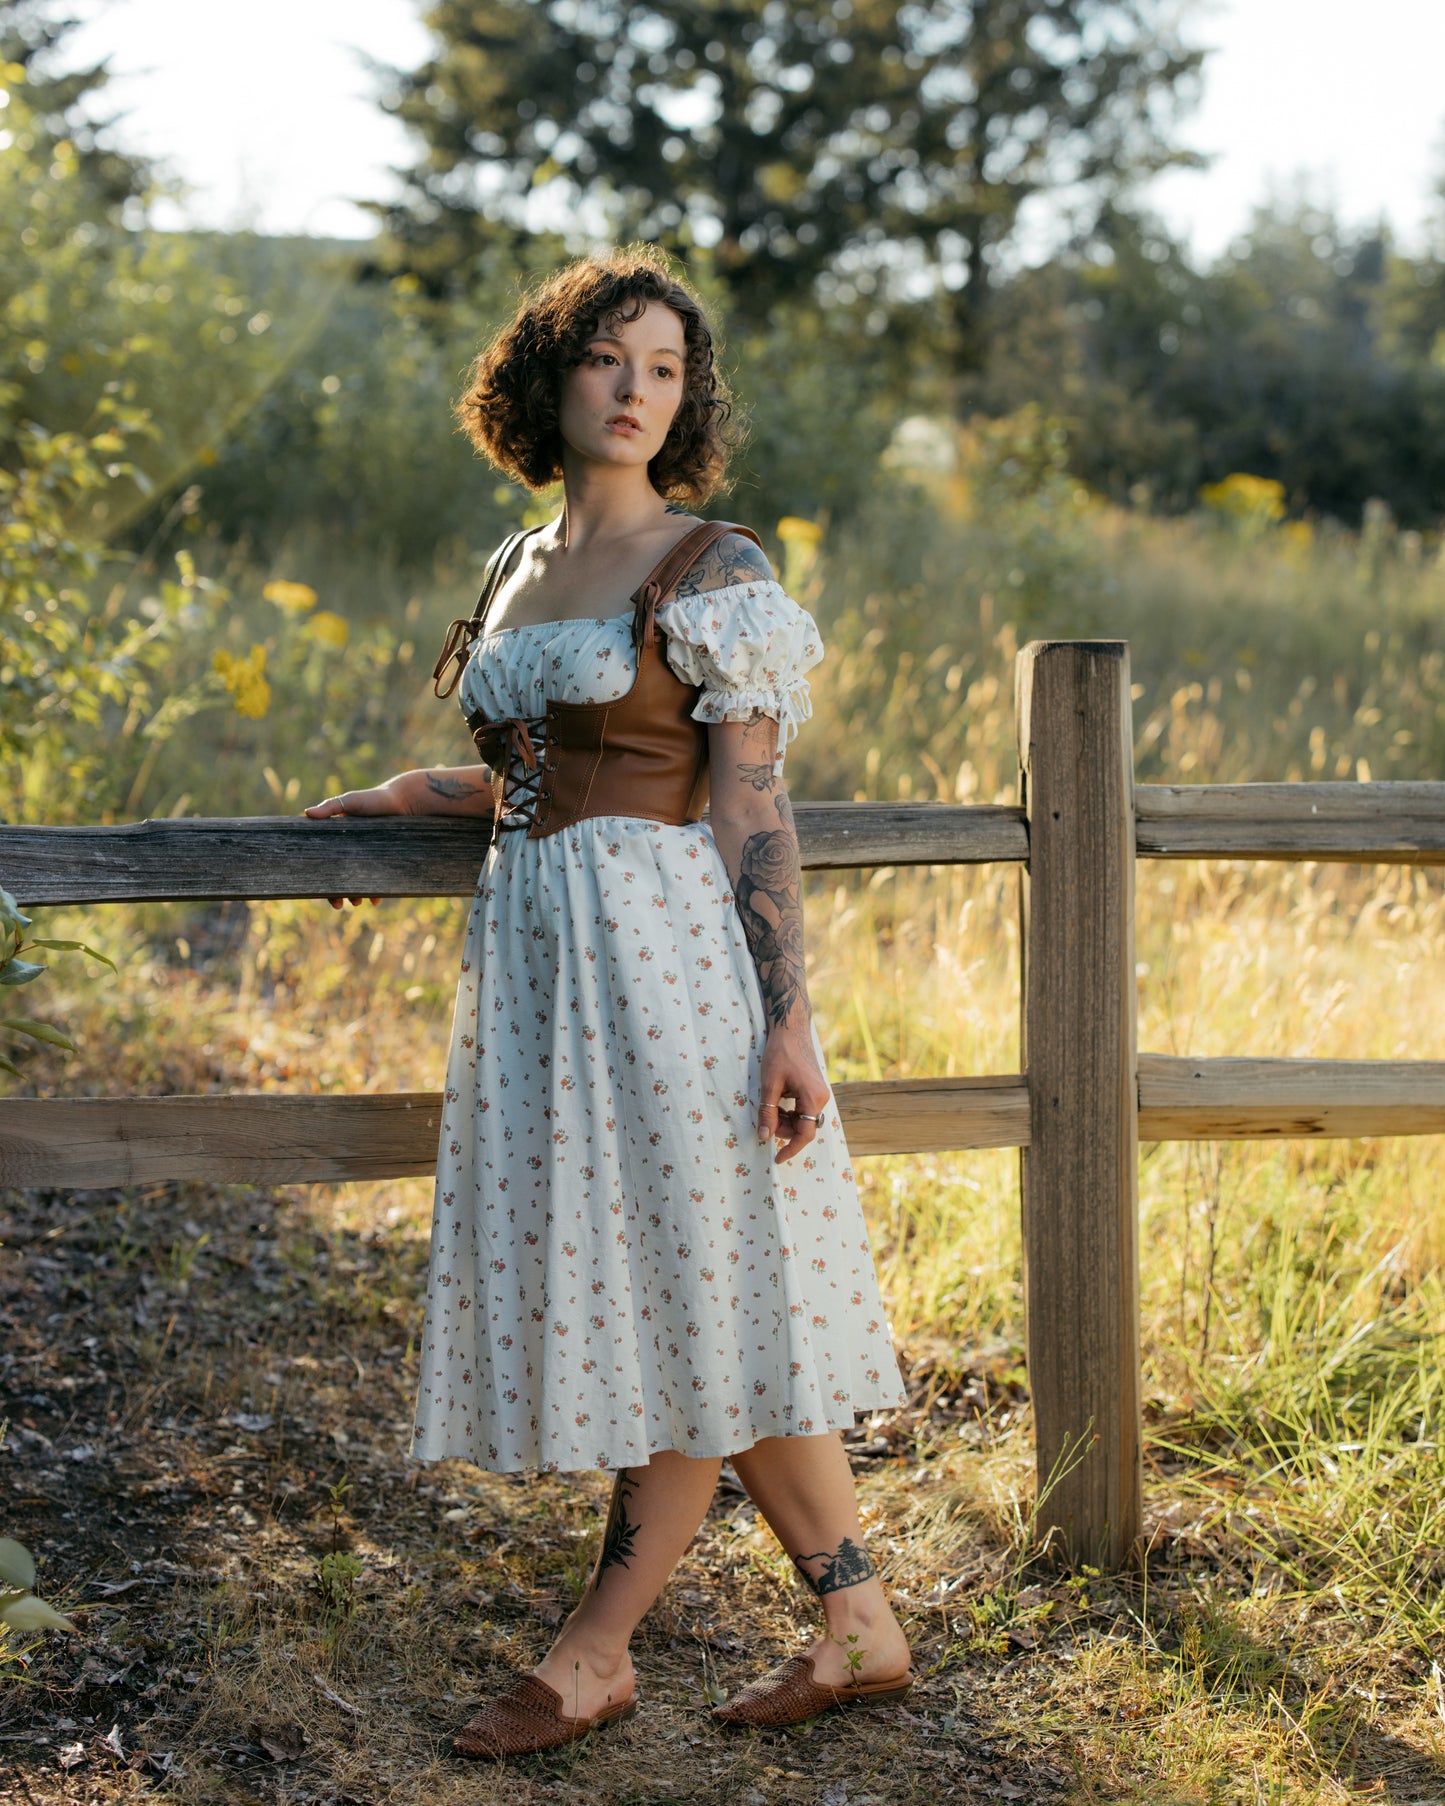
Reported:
(282, 1738)
(71, 1756)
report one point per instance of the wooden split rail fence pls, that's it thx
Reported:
(1077, 1111)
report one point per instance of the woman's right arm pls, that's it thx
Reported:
(438, 790)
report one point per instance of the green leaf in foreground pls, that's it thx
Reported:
(37, 1031)
(77, 947)
(20, 972)
(23, 1611)
(17, 1564)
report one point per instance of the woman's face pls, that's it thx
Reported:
(616, 405)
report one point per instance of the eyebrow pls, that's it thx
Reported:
(602, 338)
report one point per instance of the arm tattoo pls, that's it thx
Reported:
(618, 1537)
(732, 559)
(770, 899)
(757, 777)
(847, 1566)
(452, 788)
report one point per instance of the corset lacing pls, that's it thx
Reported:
(508, 746)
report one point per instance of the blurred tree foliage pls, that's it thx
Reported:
(1310, 354)
(808, 149)
(63, 104)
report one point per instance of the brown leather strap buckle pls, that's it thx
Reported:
(462, 635)
(456, 648)
(671, 568)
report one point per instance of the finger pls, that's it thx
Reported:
(336, 902)
(800, 1131)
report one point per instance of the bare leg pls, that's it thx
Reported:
(803, 1486)
(655, 1513)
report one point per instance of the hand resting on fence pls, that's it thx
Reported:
(430, 792)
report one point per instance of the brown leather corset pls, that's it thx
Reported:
(641, 754)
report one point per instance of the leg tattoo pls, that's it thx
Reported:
(617, 1538)
(846, 1567)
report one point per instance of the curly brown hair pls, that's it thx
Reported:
(509, 407)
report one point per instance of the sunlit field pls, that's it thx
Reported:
(1283, 1642)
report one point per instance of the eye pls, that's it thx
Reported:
(665, 370)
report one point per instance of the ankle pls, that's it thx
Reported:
(600, 1656)
(858, 1611)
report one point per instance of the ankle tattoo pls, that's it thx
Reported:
(618, 1536)
(845, 1567)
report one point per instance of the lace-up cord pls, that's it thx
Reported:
(508, 747)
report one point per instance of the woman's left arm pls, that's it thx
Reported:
(752, 822)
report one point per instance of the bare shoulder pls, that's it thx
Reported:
(732, 559)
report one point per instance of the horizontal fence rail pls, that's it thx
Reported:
(277, 1138)
(1403, 824)
(268, 858)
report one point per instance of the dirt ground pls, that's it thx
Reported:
(209, 1393)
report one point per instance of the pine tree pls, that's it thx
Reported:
(845, 149)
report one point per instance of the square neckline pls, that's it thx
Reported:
(560, 621)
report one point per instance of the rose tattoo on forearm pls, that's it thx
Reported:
(770, 899)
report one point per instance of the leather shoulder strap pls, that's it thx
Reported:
(461, 635)
(668, 572)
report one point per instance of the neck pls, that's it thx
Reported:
(602, 503)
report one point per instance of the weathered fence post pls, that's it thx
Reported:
(1080, 1169)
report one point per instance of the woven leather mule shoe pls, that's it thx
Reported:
(528, 1718)
(788, 1694)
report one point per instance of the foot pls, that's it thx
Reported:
(587, 1682)
(527, 1719)
(881, 1650)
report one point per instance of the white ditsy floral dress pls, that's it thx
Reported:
(617, 1266)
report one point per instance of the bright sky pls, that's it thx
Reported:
(266, 109)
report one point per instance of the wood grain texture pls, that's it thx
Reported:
(1259, 1100)
(266, 1139)
(1080, 1169)
(1403, 824)
(927, 1116)
(275, 1139)
(262, 857)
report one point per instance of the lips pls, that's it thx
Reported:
(624, 423)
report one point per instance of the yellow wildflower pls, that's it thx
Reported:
(245, 680)
(1244, 498)
(297, 597)
(329, 628)
(793, 530)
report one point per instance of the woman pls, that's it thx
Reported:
(643, 1259)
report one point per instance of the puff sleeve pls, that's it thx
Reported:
(747, 646)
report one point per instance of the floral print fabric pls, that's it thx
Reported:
(617, 1266)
